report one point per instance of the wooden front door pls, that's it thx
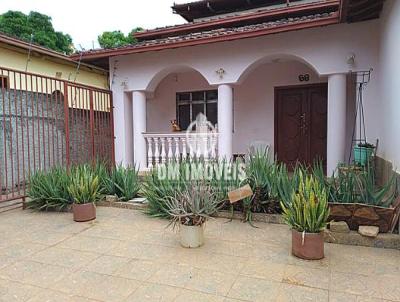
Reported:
(301, 124)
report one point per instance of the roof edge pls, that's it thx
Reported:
(15, 42)
(334, 18)
(229, 20)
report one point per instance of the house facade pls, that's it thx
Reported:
(278, 73)
(20, 56)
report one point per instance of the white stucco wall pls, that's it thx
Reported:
(388, 125)
(324, 50)
(253, 100)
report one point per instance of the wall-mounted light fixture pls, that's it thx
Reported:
(221, 72)
(351, 59)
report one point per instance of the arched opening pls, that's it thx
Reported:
(276, 101)
(179, 93)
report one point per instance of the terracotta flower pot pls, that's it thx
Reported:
(191, 236)
(84, 212)
(311, 248)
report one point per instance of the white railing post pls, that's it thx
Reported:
(163, 153)
(177, 149)
(184, 151)
(156, 151)
(170, 154)
(149, 152)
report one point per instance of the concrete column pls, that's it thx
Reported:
(139, 127)
(337, 96)
(225, 121)
(122, 127)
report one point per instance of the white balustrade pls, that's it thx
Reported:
(167, 147)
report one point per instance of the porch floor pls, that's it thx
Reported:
(126, 256)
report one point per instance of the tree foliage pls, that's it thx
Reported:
(19, 25)
(116, 38)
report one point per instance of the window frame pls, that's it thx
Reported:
(192, 102)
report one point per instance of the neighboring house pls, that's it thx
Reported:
(51, 112)
(19, 55)
(262, 70)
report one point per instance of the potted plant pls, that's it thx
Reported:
(307, 215)
(189, 211)
(362, 153)
(84, 190)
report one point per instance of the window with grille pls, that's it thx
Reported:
(190, 104)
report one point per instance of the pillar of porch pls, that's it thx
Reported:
(225, 121)
(336, 145)
(139, 127)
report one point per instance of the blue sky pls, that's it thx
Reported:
(84, 20)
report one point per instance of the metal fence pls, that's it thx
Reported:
(47, 122)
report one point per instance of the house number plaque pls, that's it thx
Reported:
(304, 77)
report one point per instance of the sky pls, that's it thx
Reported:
(84, 20)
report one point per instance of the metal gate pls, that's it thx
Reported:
(47, 122)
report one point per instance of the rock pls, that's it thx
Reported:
(111, 198)
(339, 227)
(138, 200)
(368, 231)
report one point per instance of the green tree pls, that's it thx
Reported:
(116, 38)
(22, 26)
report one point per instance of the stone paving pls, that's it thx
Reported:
(126, 256)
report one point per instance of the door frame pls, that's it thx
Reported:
(288, 87)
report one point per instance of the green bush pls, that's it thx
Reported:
(158, 190)
(308, 211)
(359, 186)
(124, 183)
(49, 190)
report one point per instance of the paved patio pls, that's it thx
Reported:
(126, 256)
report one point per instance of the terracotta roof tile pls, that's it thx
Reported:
(215, 33)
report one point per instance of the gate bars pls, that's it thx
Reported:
(47, 122)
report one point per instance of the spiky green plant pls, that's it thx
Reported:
(158, 189)
(103, 172)
(193, 206)
(49, 190)
(84, 186)
(124, 182)
(308, 211)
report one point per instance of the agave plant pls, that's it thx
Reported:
(158, 189)
(124, 182)
(359, 186)
(84, 186)
(193, 206)
(308, 211)
(49, 190)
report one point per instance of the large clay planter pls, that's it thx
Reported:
(311, 248)
(191, 236)
(84, 212)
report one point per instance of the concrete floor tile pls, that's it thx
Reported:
(187, 295)
(310, 277)
(108, 265)
(254, 290)
(264, 269)
(90, 244)
(293, 293)
(150, 292)
(64, 257)
(173, 275)
(138, 269)
(211, 282)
